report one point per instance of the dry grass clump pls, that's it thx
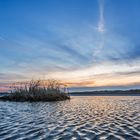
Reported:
(51, 90)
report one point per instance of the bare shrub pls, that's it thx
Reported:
(37, 90)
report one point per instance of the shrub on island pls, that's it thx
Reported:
(50, 90)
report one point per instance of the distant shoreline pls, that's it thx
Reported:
(135, 92)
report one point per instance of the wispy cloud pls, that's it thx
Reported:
(103, 74)
(101, 24)
(10, 77)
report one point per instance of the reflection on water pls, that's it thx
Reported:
(81, 118)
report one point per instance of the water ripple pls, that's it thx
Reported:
(81, 118)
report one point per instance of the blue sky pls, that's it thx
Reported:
(81, 42)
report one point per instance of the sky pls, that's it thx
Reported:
(83, 43)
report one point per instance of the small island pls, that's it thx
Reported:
(34, 91)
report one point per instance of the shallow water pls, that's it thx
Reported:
(81, 118)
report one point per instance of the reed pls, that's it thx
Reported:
(50, 90)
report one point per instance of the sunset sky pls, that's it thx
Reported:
(84, 43)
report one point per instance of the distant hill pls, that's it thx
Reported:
(109, 93)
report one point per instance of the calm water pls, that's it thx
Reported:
(81, 118)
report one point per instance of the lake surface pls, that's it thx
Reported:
(81, 118)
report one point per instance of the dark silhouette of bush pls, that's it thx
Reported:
(50, 90)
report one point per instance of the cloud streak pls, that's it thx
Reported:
(103, 74)
(101, 26)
